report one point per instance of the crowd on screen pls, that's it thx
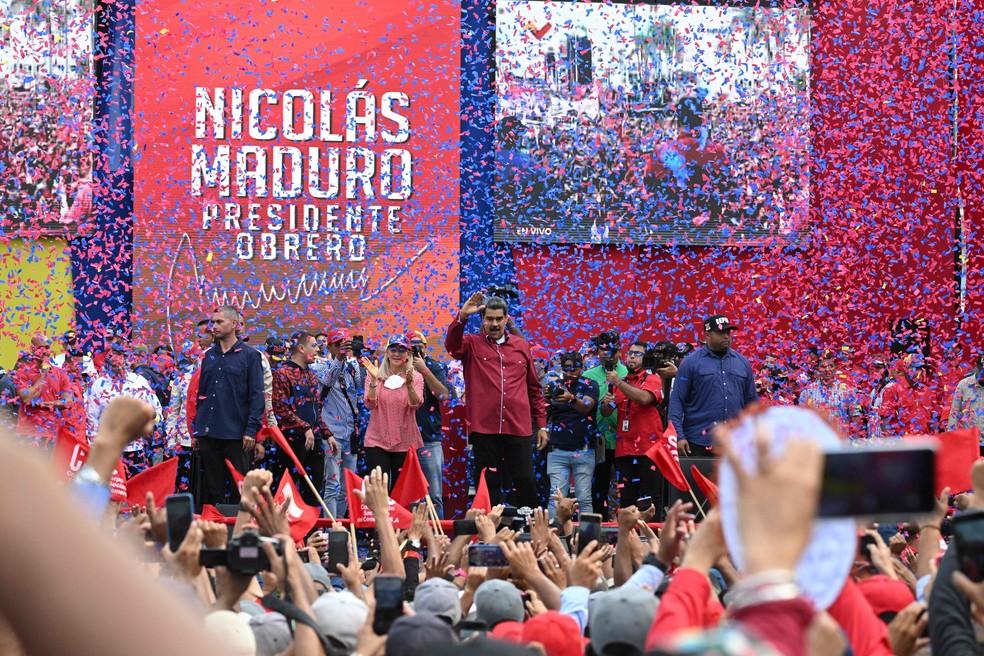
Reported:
(555, 440)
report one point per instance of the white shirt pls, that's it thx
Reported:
(105, 388)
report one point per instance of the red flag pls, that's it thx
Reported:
(71, 453)
(664, 454)
(482, 499)
(959, 450)
(411, 484)
(282, 443)
(211, 514)
(360, 513)
(236, 476)
(300, 516)
(706, 485)
(159, 479)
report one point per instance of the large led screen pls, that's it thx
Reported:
(651, 123)
(46, 103)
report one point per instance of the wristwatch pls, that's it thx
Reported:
(651, 559)
(415, 545)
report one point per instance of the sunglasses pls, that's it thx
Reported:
(567, 368)
(639, 354)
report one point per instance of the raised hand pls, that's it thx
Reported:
(473, 305)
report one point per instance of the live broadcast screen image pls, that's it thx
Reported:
(46, 104)
(651, 123)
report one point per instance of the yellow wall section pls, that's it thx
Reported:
(35, 293)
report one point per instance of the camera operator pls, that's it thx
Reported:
(639, 427)
(663, 359)
(573, 436)
(608, 347)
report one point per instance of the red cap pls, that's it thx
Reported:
(337, 335)
(559, 634)
(885, 595)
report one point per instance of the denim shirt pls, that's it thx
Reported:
(708, 390)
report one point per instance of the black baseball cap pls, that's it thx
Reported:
(718, 322)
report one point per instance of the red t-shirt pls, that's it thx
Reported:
(33, 418)
(645, 427)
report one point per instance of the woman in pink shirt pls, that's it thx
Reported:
(394, 391)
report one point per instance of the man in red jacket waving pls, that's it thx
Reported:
(504, 399)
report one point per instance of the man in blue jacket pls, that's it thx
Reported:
(712, 385)
(230, 405)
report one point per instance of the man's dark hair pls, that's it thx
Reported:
(204, 322)
(496, 303)
(297, 339)
(644, 345)
(320, 335)
(573, 356)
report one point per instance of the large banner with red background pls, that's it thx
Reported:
(298, 160)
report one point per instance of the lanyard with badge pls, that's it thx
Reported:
(628, 403)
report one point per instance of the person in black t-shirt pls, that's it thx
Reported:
(573, 434)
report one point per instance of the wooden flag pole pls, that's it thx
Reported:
(433, 513)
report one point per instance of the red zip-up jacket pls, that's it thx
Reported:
(502, 392)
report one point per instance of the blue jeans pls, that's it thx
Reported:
(561, 465)
(431, 457)
(334, 493)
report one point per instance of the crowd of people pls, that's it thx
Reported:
(45, 156)
(515, 576)
(537, 421)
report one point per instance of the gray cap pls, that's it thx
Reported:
(340, 616)
(623, 616)
(497, 601)
(319, 574)
(438, 597)
(417, 635)
(272, 634)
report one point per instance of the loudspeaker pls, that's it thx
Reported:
(707, 467)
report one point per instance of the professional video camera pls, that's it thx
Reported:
(507, 292)
(663, 353)
(553, 385)
(606, 343)
(244, 554)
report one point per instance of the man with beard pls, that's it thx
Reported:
(229, 405)
(297, 404)
(713, 385)
(639, 427)
(505, 398)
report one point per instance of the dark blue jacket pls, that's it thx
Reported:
(230, 393)
(708, 390)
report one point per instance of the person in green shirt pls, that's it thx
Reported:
(607, 344)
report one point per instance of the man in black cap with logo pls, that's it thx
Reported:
(712, 385)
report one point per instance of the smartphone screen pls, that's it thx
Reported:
(644, 503)
(389, 602)
(338, 550)
(486, 555)
(180, 514)
(968, 532)
(892, 481)
(589, 528)
(465, 527)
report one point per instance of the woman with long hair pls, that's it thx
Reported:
(394, 391)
